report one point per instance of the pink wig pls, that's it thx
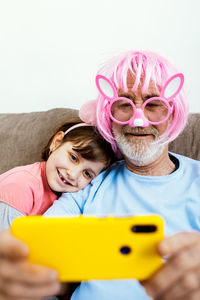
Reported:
(150, 67)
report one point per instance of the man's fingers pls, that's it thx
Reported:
(177, 242)
(12, 248)
(26, 280)
(176, 269)
(20, 279)
(26, 272)
(3, 297)
(195, 295)
(188, 284)
(14, 290)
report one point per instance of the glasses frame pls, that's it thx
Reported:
(136, 110)
(138, 118)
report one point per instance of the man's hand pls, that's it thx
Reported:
(20, 279)
(179, 278)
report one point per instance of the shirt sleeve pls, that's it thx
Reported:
(7, 215)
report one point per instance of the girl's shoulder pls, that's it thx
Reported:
(20, 172)
(21, 187)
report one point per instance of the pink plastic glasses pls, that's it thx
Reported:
(155, 110)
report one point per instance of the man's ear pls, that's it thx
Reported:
(57, 140)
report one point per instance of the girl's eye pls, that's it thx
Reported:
(73, 157)
(87, 174)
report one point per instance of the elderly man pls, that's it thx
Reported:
(139, 110)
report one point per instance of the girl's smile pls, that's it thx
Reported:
(65, 181)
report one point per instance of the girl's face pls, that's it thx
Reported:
(67, 170)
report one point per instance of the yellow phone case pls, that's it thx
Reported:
(84, 248)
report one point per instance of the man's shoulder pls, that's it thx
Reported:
(114, 168)
(187, 165)
(186, 159)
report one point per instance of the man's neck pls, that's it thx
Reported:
(160, 167)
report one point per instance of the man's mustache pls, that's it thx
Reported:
(140, 130)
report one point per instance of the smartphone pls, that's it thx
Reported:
(85, 248)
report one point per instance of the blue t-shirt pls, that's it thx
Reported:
(118, 191)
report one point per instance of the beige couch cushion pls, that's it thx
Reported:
(23, 136)
(188, 142)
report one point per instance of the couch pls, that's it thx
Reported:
(23, 136)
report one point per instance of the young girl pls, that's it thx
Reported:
(72, 158)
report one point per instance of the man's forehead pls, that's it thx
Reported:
(131, 81)
(151, 88)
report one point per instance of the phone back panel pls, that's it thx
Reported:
(84, 248)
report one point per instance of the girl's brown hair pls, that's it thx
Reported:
(86, 141)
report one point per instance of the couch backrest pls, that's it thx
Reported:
(188, 142)
(23, 136)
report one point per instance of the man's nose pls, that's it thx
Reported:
(138, 101)
(138, 119)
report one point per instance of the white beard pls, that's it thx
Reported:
(139, 151)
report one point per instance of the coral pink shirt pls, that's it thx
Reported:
(26, 189)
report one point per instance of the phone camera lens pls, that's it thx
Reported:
(143, 228)
(125, 250)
